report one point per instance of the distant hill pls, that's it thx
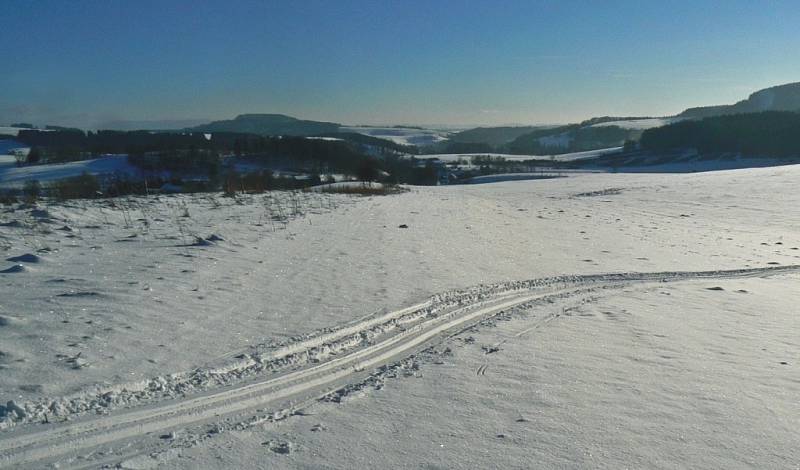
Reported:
(269, 125)
(777, 98)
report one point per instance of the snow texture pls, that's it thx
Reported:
(597, 320)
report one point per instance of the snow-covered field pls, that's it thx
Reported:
(13, 176)
(9, 146)
(7, 161)
(598, 320)
(402, 135)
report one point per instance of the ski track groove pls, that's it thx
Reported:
(397, 335)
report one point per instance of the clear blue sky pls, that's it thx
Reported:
(472, 62)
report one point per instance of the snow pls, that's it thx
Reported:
(9, 146)
(565, 157)
(12, 176)
(328, 139)
(569, 157)
(647, 378)
(639, 124)
(156, 301)
(7, 161)
(11, 130)
(402, 135)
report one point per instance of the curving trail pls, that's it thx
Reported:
(305, 369)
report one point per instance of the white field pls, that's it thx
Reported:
(402, 135)
(186, 331)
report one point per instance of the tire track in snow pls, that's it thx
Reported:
(384, 338)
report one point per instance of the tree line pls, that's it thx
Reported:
(200, 153)
(768, 134)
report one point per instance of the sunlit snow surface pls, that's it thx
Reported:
(685, 374)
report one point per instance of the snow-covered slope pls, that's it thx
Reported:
(10, 130)
(570, 157)
(639, 124)
(12, 176)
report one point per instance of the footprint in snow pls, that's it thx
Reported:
(26, 258)
(17, 268)
(6, 320)
(279, 447)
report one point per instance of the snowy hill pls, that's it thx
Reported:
(269, 125)
(778, 98)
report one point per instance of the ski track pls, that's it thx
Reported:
(325, 364)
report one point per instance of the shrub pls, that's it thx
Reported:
(361, 189)
(32, 190)
(367, 170)
(77, 187)
(34, 156)
(7, 197)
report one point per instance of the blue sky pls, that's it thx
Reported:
(444, 62)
